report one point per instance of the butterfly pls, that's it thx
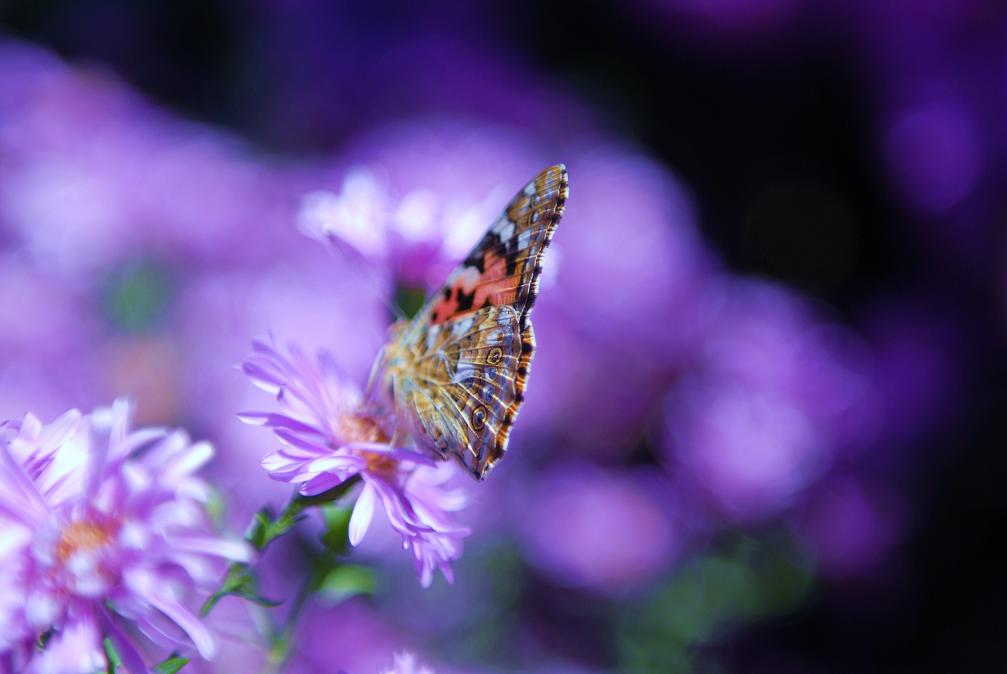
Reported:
(456, 372)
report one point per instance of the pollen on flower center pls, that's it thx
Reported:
(82, 536)
(380, 463)
(361, 428)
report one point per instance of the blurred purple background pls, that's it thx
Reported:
(765, 427)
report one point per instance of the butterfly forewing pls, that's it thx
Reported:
(460, 368)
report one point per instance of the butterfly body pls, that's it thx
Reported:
(456, 373)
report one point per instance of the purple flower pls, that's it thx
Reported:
(248, 302)
(104, 534)
(417, 234)
(851, 524)
(79, 202)
(775, 395)
(663, 270)
(327, 438)
(406, 663)
(350, 636)
(601, 529)
(412, 199)
(933, 151)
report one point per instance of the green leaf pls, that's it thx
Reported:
(345, 581)
(337, 528)
(239, 582)
(171, 665)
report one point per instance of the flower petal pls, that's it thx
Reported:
(363, 512)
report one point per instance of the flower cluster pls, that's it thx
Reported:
(103, 535)
(328, 438)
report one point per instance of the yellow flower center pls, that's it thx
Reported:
(82, 536)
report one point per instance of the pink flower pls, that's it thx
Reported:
(103, 534)
(328, 437)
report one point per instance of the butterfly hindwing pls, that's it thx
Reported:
(461, 365)
(462, 389)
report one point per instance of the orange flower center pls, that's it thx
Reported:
(380, 463)
(82, 536)
(361, 428)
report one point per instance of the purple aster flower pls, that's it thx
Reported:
(412, 199)
(249, 302)
(406, 663)
(104, 534)
(775, 395)
(349, 636)
(327, 438)
(608, 531)
(418, 234)
(79, 202)
(933, 151)
(851, 524)
(599, 406)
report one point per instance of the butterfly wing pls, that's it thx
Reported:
(504, 267)
(470, 347)
(458, 394)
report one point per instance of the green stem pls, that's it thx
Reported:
(262, 531)
(335, 544)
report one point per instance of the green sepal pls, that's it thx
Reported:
(171, 665)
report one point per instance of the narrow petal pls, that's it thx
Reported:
(320, 483)
(20, 498)
(363, 512)
(188, 462)
(295, 440)
(236, 551)
(273, 420)
(134, 441)
(189, 623)
(128, 653)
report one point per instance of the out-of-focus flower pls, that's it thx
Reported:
(933, 152)
(919, 353)
(851, 524)
(48, 342)
(604, 530)
(81, 201)
(329, 438)
(662, 303)
(762, 412)
(407, 663)
(104, 534)
(407, 236)
(350, 637)
(413, 199)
